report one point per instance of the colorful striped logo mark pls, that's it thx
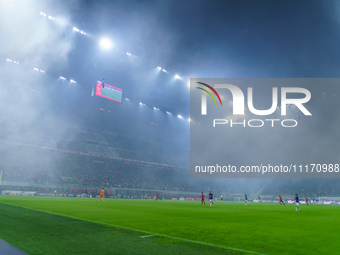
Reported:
(209, 93)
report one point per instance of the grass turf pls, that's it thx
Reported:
(86, 226)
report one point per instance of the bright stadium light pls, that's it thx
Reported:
(155, 108)
(159, 68)
(164, 70)
(168, 112)
(73, 81)
(105, 43)
(178, 77)
(127, 99)
(62, 78)
(75, 29)
(128, 53)
(179, 116)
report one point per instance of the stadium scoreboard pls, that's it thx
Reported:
(109, 91)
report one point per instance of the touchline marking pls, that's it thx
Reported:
(145, 219)
(146, 236)
(142, 231)
(153, 219)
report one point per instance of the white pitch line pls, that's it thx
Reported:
(146, 236)
(142, 231)
(153, 219)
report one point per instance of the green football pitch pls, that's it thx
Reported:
(41, 225)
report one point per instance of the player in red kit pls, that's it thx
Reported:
(202, 199)
(281, 200)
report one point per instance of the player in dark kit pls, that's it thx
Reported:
(307, 201)
(211, 198)
(281, 201)
(202, 199)
(296, 197)
(157, 197)
(245, 199)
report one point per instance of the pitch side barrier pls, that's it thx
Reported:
(318, 202)
(19, 193)
(337, 199)
(64, 191)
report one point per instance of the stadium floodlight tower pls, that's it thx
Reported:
(105, 43)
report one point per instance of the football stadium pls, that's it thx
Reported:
(125, 127)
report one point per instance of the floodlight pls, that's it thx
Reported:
(105, 43)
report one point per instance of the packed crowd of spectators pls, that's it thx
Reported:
(304, 187)
(92, 160)
(75, 173)
(112, 145)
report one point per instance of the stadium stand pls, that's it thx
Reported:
(125, 166)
